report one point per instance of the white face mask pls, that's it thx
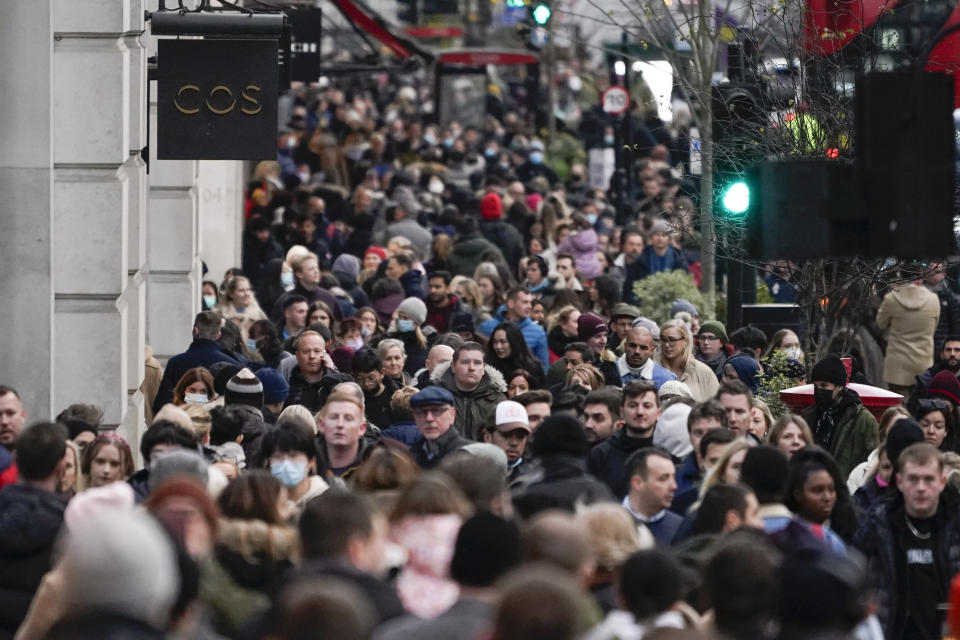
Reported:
(195, 398)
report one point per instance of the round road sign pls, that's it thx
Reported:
(615, 100)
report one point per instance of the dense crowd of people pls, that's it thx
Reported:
(429, 404)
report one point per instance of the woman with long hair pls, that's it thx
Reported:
(817, 494)
(493, 291)
(585, 375)
(194, 387)
(239, 305)
(936, 419)
(370, 327)
(676, 354)
(562, 330)
(106, 460)
(267, 340)
(863, 471)
(406, 327)
(507, 351)
(468, 291)
(790, 433)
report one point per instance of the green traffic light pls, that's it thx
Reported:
(736, 198)
(541, 14)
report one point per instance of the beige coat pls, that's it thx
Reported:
(911, 313)
(243, 319)
(699, 377)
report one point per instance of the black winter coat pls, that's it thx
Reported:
(559, 482)
(30, 519)
(505, 237)
(880, 537)
(608, 460)
(442, 446)
(201, 353)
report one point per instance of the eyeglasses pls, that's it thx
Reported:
(672, 341)
(708, 338)
(423, 412)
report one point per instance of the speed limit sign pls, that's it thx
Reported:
(615, 100)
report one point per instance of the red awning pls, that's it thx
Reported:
(480, 57)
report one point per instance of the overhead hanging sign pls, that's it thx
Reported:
(217, 99)
(306, 25)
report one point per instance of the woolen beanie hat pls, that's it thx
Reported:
(348, 265)
(415, 309)
(106, 560)
(377, 251)
(716, 328)
(682, 304)
(562, 435)
(674, 388)
(487, 547)
(275, 386)
(244, 388)
(830, 369)
(901, 435)
(222, 372)
(945, 385)
(671, 431)
(589, 325)
(176, 415)
(491, 207)
(89, 504)
(492, 452)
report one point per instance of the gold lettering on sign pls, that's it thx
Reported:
(256, 102)
(184, 88)
(221, 112)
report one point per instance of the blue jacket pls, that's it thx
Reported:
(412, 282)
(202, 352)
(646, 265)
(533, 333)
(688, 474)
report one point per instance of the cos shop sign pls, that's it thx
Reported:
(217, 99)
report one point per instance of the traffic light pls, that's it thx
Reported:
(540, 13)
(735, 199)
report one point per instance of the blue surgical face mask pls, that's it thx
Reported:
(288, 472)
(251, 344)
(356, 344)
(210, 301)
(286, 279)
(405, 326)
(608, 140)
(196, 398)
(490, 152)
(448, 142)
(536, 157)
(592, 218)
(430, 139)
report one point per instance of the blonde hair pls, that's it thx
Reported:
(299, 415)
(611, 534)
(79, 481)
(592, 374)
(295, 254)
(715, 476)
(200, 418)
(341, 396)
(680, 326)
(784, 421)
(472, 290)
(760, 403)
(560, 316)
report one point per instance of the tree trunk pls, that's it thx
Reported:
(708, 242)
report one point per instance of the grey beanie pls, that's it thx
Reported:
(415, 309)
(121, 562)
(347, 264)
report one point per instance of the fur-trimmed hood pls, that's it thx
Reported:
(255, 539)
(491, 377)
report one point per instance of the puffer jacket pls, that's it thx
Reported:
(473, 407)
(583, 247)
(855, 431)
(911, 313)
(30, 520)
(879, 539)
(470, 251)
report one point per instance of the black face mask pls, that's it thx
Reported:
(823, 398)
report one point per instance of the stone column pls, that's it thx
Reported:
(173, 242)
(221, 215)
(71, 175)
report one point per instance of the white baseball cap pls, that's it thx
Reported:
(513, 414)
